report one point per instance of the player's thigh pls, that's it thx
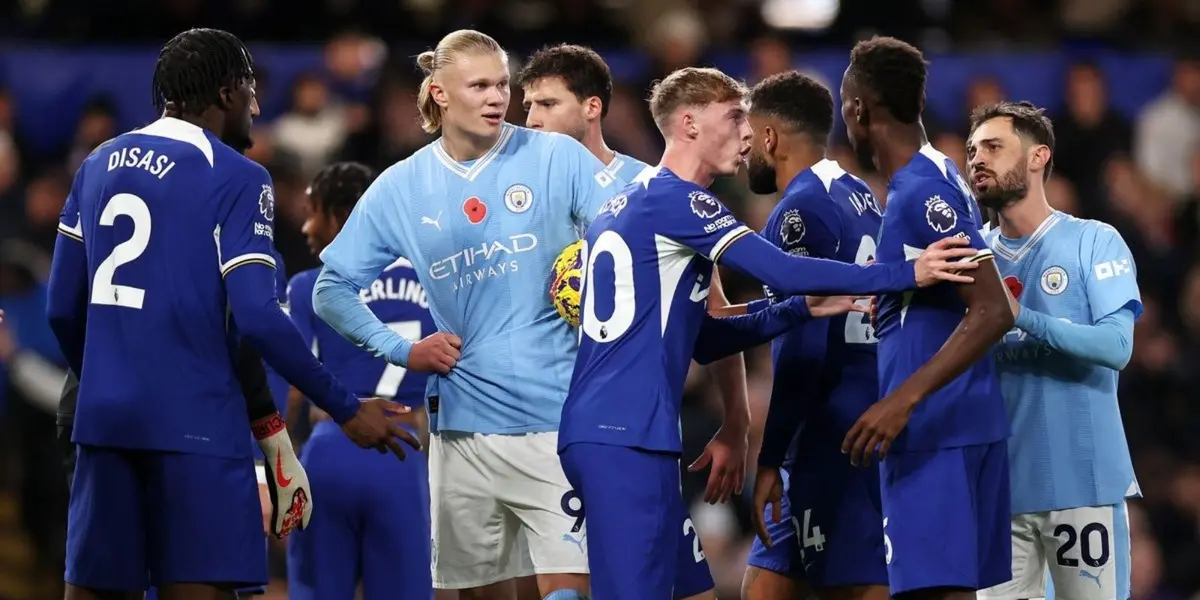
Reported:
(395, 539)
(692, 573)
(474, 537)
(106, 512)
(837, 518)
(633, 503)
(783, 557)
(324, 559)
(530, 483)
(205, 522)
(946, 518)
(1087, 551)
(1028, 561)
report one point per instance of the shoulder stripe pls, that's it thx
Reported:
(75, 233)
(246, 259)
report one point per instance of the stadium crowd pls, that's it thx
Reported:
(1139, 171)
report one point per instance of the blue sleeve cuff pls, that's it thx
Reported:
(336, 301)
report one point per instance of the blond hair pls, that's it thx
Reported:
(463, 41)
(692, 86)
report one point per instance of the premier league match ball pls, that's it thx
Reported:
(567, 277)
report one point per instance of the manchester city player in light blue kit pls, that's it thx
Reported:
(648, 262)
(481, 213)
(1076, 298)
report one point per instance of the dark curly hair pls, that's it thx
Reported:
(194, 66)
(798, 100)
(895, 72)
(337, 187)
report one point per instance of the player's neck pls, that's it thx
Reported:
(795, 163)
(686, 166)
(1023, 217)
(902, 142)
(463, 147)
(207, 120)
(593, 140)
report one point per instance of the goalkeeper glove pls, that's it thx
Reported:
(287, 483)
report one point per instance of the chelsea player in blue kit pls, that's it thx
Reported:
(825, 371)
(372, 523)
(1075, 294)
(940, 427)
(481, 213)
(164, 264)
(648, 261)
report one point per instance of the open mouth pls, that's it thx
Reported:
(493, 118)
(981, 178)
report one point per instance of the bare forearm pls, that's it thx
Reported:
(979, 329)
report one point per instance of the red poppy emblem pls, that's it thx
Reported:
(1014, 286)
(475, 210)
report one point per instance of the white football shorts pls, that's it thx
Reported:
(1084, 550)
(501, 508)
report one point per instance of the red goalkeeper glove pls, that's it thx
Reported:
(287, 483)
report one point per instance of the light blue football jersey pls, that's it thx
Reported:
(482, 237)
(625, 169)
(1068, 447)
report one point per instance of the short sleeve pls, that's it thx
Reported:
(804, 225)
(371, 239)
(246, 234)
(934, 209)
(591, 184)
(1110, 271)
(299, 298)
(693, 217)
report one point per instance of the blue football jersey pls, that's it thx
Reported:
(649, 261)
(1068, 447)
(482, 237)
(165, 212)
(399, 300)
(927, 201)
(828, 366)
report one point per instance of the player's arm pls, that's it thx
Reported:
(1113, 299)
(725, 336)
(988, 316)
(67, 291)
(365, 246)
(248, 269)
(694, 218)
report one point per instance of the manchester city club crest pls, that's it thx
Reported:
(266, 203)
(1054, 281)
(518, 198)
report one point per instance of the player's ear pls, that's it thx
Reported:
(225, 94)
(438, 93)
(688, 121)
(1039, 157)
(593, 107)
(770, 140)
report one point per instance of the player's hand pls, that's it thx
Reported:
(873, 312)
(832, 306)
(437, 353)
(375, 426)
(876, 429)
(768, 490)
(941, 262)
(726, 452)
(284, 492)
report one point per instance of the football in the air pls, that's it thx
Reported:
(565, 282)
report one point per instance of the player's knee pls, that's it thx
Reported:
(762, 584)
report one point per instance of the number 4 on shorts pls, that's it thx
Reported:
(810, 536)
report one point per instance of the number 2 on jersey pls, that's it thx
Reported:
(393, 375)
(690, 530)
(104, 291)
(858, 325)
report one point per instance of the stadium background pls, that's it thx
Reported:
(337, 82)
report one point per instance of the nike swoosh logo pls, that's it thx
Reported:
(283, 481)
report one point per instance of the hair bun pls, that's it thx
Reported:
(425, 61)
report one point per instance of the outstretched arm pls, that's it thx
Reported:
(721, 337)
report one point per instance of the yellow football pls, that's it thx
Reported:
(565, 282)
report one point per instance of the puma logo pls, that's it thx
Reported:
(1085, 575)
(577, 542)
(434, 221)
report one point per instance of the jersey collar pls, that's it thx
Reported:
(1016, 254)
(470, 172)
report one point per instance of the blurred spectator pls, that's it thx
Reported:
(1168, 130)
(1088, 132)
(314, 127)
(97, 125)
